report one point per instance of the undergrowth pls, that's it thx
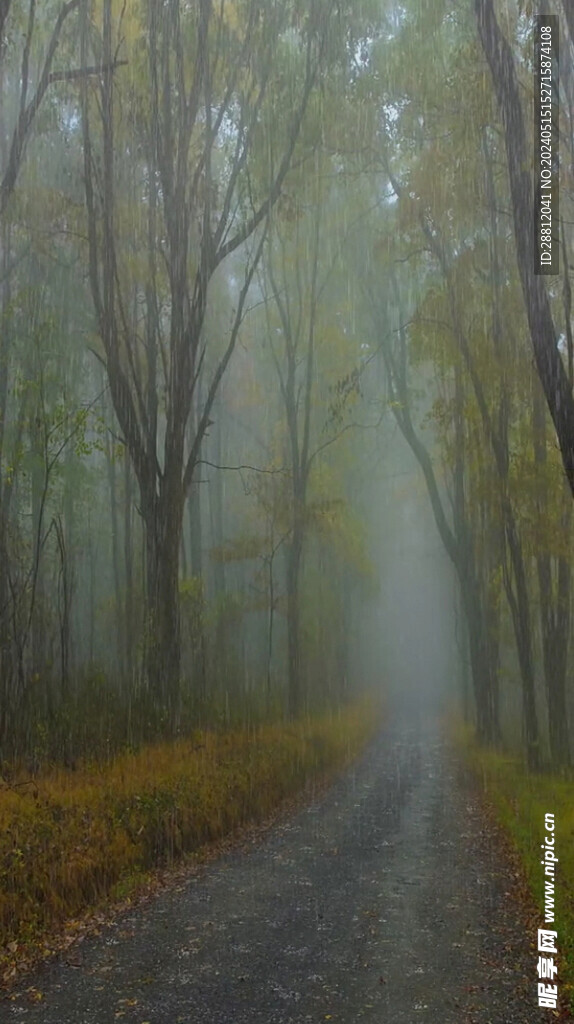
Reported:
(71, 838)
(520, 801)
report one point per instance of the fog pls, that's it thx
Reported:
(283, 417)
(411, 629)
(286, 496)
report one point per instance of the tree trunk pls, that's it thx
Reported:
(163, 522)
(519, 602)
(294, 681)
(217, 538)
(554, 610)
(64, 609)
(542, 330)
(129, 613)
(458, 546)
(483, 671)
(120, 625)
(497, 437)
(554, 616)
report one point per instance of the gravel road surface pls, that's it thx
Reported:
(383, 900)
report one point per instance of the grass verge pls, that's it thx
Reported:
(71, 839)
(520, 800)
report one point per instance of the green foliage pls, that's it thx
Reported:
(239, 549)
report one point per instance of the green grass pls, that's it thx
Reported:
(520, 801)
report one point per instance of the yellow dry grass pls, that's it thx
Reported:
(70, 838)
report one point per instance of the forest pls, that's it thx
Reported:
(270, 317)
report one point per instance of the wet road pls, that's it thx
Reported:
(383, 901)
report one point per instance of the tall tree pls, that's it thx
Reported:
(543, 335)
(207, 113)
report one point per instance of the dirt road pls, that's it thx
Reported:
(382, 901)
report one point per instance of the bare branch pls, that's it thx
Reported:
(75, 73)
(252, 469)
(28, 113)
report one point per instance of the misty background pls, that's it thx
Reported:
(283, 413)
